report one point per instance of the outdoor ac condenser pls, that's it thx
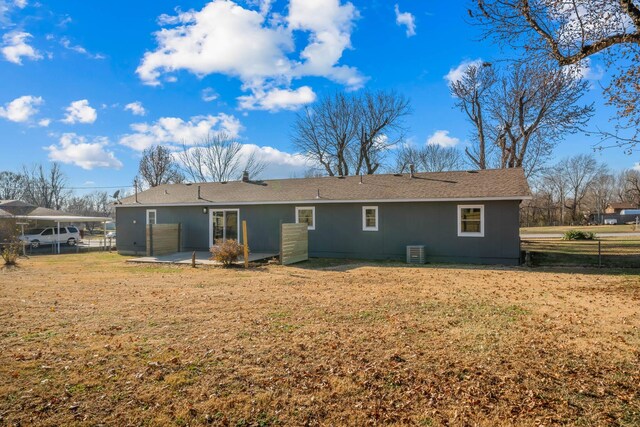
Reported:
(415, 254)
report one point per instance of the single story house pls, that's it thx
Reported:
(464, 216)
(616, 208)
(621, 213)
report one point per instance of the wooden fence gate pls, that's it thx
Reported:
(163, 239)
(294, 243)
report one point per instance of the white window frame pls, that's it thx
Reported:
(155, 216)
(313, 215)
(364, 218)
(211, 211)
(468, 233)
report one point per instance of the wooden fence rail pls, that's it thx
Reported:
(163, 239)
(294, 243)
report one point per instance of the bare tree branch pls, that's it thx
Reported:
(218, 158)
(570, 31)
(523, 112)
(158, 167)
(351, 134)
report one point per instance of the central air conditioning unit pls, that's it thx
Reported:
(415, 254)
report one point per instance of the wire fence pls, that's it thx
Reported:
(87, 244)
(619, 253)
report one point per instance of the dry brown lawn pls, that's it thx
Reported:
(90, 340)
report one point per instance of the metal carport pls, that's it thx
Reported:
(66, 219)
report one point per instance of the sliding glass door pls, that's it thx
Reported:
(225, 224)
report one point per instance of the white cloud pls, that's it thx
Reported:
(406, 19)
(66, 43)
(257, 47)
(15, 47)
(455, 74)
(442, 138)
(44, 122)
(278, 99)
(173, 130)
(136, 108)
(224, 38)
(6, 7)
(21, 109)
(329, 24)
(279, 164)
(80, 112)
(636, 166)
(76, 150)
(588, 71)
(208, 94)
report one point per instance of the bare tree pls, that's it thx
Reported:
(579, 173)
(523, 112)
(218, 158)
(351, 134)
(430, 158)
(602, 191)
(92, 204)
(570, 31)
(555, 182)
(45, 188)
(326, 133)
(158, 167)
(628, 186)
(473, 96)
(11, 185)
(381, 127)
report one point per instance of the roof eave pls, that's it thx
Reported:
(325, 201)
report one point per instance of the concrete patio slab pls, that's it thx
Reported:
(202, 258)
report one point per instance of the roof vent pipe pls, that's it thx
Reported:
(245, 176)
(360, 178)
(135, 186)
(199, 193)
(318, 196)
(412, 168)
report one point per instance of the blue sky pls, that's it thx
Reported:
(91, 85)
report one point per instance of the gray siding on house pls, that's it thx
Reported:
(338, 232)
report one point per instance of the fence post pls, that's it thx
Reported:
(150, 233)
(245, 239)
(280, 241)
(599, 253)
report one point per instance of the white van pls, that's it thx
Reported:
(49, 236)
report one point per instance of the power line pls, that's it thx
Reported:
(97, 187)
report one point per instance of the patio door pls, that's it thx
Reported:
(225, 224)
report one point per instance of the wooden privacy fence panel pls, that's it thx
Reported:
(163, 239)
(294, 243)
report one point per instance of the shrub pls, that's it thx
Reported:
(578, 235)
(226, 252)
(10, 253)
(9, 241)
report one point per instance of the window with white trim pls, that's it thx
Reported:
(369, 218)
(151, 217)
(307, 215)
(471, 220)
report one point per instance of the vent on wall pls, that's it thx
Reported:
(415, 254)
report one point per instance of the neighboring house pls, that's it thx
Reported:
(468, 216)
(621, 213)
(616, 208)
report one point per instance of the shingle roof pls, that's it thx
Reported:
(15, 207)
(622, 206)
(493, 184)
